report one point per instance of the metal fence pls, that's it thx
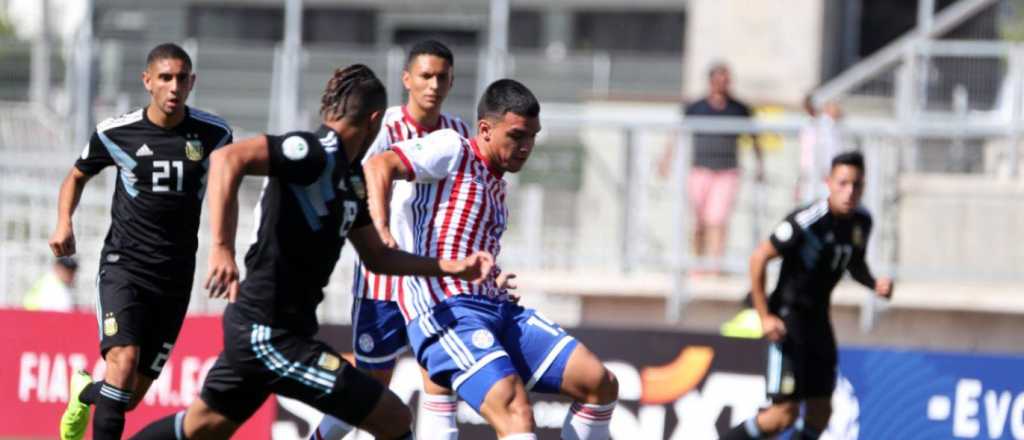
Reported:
(591, 200)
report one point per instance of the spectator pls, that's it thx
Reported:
(714, 176)
(820, 141)
(54, 291)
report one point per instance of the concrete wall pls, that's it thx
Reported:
(774, 47)
(937, 211)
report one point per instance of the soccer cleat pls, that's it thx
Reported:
(76, 416)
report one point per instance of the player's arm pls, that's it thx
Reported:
(773, 327)
(860, 271)
(94, 158)
(62, 242)
(382, 259)
(380, 171)
(228, 165)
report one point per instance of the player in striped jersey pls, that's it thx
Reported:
(818, 243)
(161, 153)
(472, 338)
(378, 328)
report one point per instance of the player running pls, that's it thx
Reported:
(148, 260)
(818, 243)
(378, 329)
(313, 200)
(472, 338)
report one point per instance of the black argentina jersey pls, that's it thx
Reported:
(161, 179)
(816, 248)
(312, 197)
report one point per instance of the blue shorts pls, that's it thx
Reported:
(468, 343)
(378, 333)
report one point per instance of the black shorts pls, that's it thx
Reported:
(130, 312)
(803, 365)
(259, 360)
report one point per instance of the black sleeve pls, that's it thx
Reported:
(858, 266)
(296, 157)
(94, 157)
(787, 236)
(363, 215)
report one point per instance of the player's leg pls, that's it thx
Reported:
(817, 411)
(464, 354)
(554, 362)
(378, 339)
(819, 381)
(594, 390)
(225, 402)
(506, 407)
(165, 317)
(785, 383)
(437, 409)
(122, 311)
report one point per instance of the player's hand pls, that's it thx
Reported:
(505, 282)
(62, 242)
(474, 268)
(773, 327)
(387, 238)
(222, 275)
(883, 287)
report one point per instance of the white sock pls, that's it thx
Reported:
(523, 436)
(330, 428)
(587, 421)
(437, 417)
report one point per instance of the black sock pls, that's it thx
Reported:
(407, 436)
(108, 423)
(171, 427)
(89, 393)
(744, 431)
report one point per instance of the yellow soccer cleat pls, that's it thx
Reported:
(76, 416)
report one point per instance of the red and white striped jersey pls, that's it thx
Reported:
(458, 207)
(397, 126)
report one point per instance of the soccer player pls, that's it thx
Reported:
(472, 338)
(378, 328)
(148, 260)
(818, 243)
(313, 200)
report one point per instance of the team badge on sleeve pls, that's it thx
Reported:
(783, 232)
(295, 148)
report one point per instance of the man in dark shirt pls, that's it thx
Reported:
(818, 243)
(714, 174)
(161, 153)
(314, 199)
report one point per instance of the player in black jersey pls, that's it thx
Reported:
(161, 153)
(818, 243)
(314, 199)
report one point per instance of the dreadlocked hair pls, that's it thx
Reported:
(352, 92)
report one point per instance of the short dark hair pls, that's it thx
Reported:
(507, 96)
(352, 92)
(430, 47)
(168, 50)
(851, 158)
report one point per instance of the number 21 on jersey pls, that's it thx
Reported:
(162, 174)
